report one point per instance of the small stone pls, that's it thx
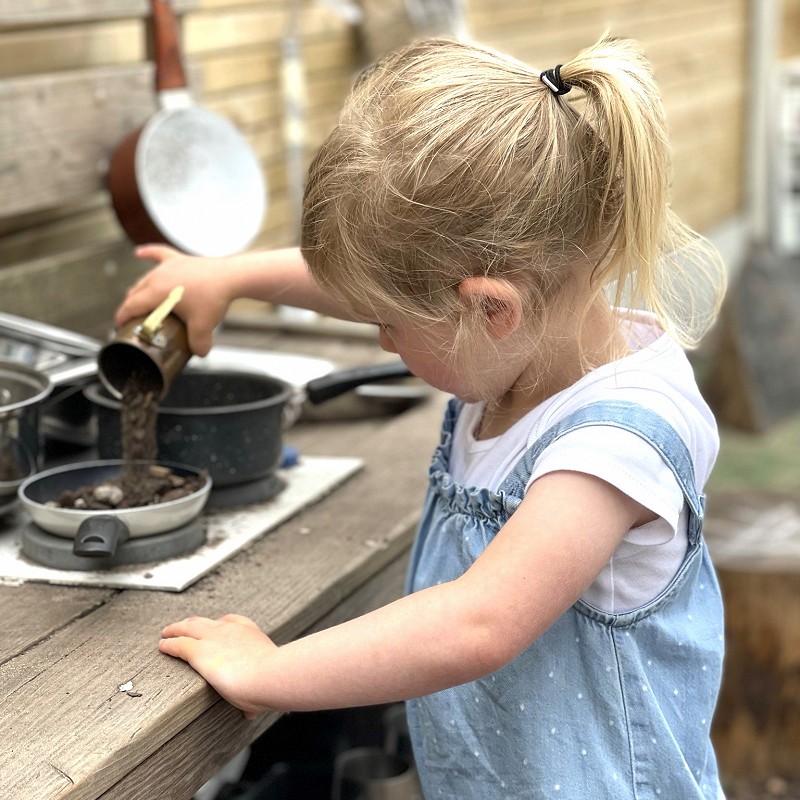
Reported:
(157, 471)
(79, 503)
(108, 493)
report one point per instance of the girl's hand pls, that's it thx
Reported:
(208, 292)
(229, 652)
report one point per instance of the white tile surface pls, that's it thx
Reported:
(227, 532)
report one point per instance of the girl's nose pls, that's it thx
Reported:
(385, 341)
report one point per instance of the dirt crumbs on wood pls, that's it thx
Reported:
(139, 484)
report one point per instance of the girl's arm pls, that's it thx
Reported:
(211, 284)
(543, 559)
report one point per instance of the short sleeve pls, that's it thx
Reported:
(626, 461)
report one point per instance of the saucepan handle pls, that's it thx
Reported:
(99, 537)
(170, 73)
(335, 383)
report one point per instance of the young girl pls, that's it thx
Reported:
(562, 635)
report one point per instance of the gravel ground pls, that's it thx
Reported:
(763, 790)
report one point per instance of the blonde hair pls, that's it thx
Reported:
(450, 160)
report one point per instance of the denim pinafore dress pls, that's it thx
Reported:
(602, 706)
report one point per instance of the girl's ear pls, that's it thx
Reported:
(499, 303)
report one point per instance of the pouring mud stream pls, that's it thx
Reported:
(139, 365)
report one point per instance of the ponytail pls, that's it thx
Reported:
(653, 260)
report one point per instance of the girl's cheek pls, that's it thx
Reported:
(386, 342)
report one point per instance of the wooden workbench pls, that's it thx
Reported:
(67, 730)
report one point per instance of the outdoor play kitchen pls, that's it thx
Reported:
(283, 472)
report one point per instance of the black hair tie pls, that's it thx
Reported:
(551, 78)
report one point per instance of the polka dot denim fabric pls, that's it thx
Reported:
(600, 706)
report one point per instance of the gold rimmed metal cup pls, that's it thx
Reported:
(155, 348)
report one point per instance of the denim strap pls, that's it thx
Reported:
(631, 417)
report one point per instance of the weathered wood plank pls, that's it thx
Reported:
(233, 28)
(94, 224)
(222, 72)
(57, 132)
(35, 12)
(54, 49)
(9, 226)
(56, 607)
(558, 42)
(76, 120)
(182, 765)
(243, 26)
(489, 17)
(101, 41)
(578, 8)
(322, 60)
(78, 289)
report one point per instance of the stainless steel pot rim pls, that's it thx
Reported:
(39, 382)
(93, 393)
(86, 466)
(46, 336)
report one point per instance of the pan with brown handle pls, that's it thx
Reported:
(187, 177)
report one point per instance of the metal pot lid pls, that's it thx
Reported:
(200, 182)
(21, 386)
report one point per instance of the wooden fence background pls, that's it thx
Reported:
(75, 77)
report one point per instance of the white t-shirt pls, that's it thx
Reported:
(656, 375)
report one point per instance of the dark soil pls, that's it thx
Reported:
(147, 485)
(139, 484)
(138, 416)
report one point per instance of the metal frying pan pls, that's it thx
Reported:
(99, 532)
(187, 177)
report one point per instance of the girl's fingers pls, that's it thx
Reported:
(182, 647)
(157, 252)
(200, 343)
(191, 626)
(196, 627)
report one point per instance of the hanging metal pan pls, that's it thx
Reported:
(187, 178)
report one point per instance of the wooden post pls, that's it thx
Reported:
(754, 538)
